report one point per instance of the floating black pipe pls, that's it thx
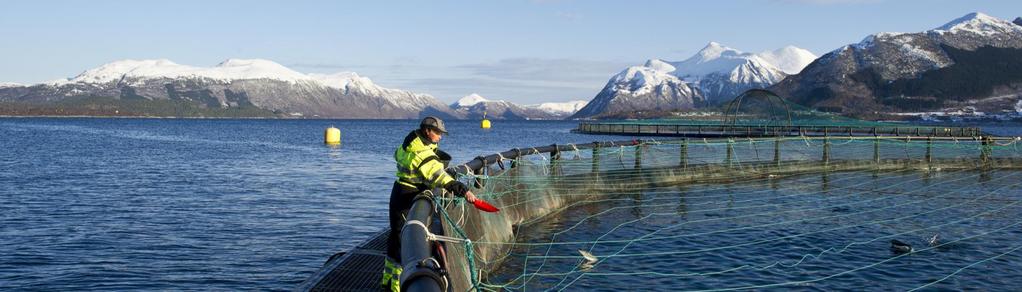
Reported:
(480, 161)
(421, 271)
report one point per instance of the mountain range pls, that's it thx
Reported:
(968, 64)
(235, 87)
(712, 76)
(971, 61)
(474, 106)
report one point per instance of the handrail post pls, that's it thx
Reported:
(596, 157)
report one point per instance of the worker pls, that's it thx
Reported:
(418, 169)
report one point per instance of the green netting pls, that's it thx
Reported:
(530, 188)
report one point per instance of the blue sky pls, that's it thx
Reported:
(521, 51)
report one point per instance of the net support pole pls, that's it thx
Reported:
(986, 151)
(596, 158)
(638, 156)
(730, 152)
(555, 156)
(876, 149)
(826, 150)
(929, 150)
(777, 151)
(684, 154)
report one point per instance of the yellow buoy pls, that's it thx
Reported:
(485, 123)
(332, 136)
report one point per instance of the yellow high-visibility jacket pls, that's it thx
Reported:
(418, 165)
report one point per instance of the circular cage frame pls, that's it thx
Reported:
(732, 113)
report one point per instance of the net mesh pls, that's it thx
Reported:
(532, 253)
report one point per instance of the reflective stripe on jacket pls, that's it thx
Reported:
(418, 165)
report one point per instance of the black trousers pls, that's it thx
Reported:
(401, 199)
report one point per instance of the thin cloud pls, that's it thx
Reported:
(515, 91)
(570, 70)
(569, 16)
(520, 80)
(533, 80)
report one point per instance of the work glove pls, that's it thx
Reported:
(457, 188)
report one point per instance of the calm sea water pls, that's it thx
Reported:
(814, 232)
(165, 204)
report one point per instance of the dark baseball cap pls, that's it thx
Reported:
(435, 123)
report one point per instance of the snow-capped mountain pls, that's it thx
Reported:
(713, 75)
(561, 108)
(229, 70)
(646, 88)
(789, 59)
(9, 84)
(965, 59)
(722, 73)
(469, 100)
(254, 84)
(474, 106)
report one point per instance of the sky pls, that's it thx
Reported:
(522, 51)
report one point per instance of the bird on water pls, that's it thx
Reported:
(897, 246)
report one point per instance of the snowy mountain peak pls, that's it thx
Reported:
(714, 50)
(469, 100)
(118, 69)
(789, 59)
(717, 58)
(714, 58)
(339, 80)
(640, 80)
(564, 108)
(248, 62)
(659, 66)
(971, 18)
(253, 69)
(226, 71)
(10, 84)
(978, 23)
(715, 74)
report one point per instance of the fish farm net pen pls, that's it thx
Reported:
(845, 182)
